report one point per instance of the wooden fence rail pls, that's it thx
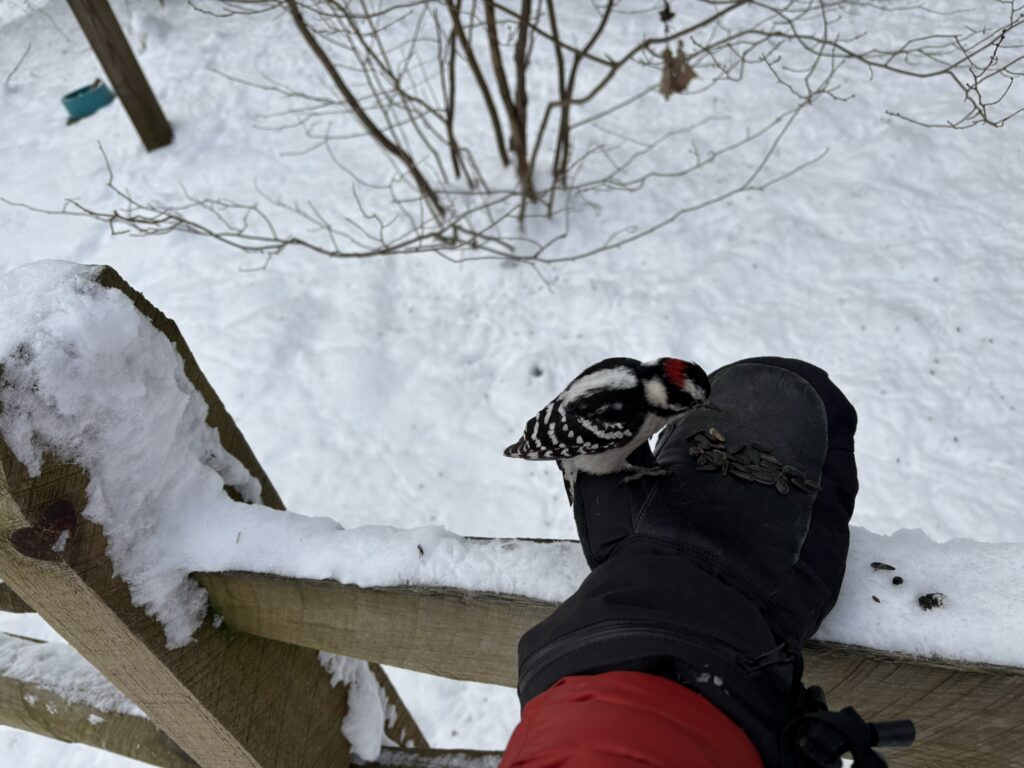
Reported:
(473, 636)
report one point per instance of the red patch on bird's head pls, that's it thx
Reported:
(675, 371)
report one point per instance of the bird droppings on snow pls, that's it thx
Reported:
(931, 600)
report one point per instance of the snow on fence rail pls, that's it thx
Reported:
(125, 485)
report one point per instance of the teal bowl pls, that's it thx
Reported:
(85, 101)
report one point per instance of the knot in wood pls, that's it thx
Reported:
(43, 539)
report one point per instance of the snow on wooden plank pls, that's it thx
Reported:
(48, 689)
(969, 714)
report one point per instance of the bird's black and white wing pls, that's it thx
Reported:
(602, 409)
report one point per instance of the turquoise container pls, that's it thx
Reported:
(85, 101)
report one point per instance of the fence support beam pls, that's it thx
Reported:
(104, 34)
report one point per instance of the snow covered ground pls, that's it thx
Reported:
(382, 392)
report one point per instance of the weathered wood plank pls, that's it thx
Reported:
(446, 632)
(10, 602)
(100, 26)
(966, 714)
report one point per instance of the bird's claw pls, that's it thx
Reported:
(639, 472)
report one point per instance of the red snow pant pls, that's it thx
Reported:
(626, 720)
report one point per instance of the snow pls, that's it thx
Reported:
(58, 668)
(367, 704)
(980, 619)
(381, 393)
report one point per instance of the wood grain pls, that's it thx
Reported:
(10, 602)
(448, 632)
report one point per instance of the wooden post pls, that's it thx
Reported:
(100, 26)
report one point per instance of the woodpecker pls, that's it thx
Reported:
(607, 412)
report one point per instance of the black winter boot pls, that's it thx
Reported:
(716, 575)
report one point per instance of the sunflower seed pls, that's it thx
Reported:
(782, 486)
(706, 467)
(757, 445)
(770, 459)
(715, 435)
